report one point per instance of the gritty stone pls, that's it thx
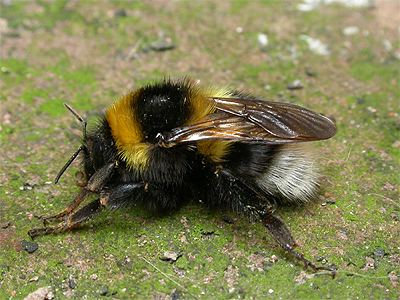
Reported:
(257, 262)
(394, 279)
(301, 278)
(262, 40)
(351, 30)
(71, 283)
(5, 225)
(295, 85)
(34, 279)
(170, 256)
(379, 253)
(43, 293)
(274, 259)
(29, 247)
(103, 291)
(369, 263)
(93, 277)
(231, 276)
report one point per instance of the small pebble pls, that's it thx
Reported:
(360, 100)
(118, 13)
(228, 219)
(315, 45)
(295, 85)
(322, 260)
(162, 44)
(170, 256)
(311, 73)
(262, 39)
(5, 225)
(103, 291)
(71, 283)
(45, 293)
(379, 253)
(351, 30)
(29, 247)
(387, 45)
(94, 276)
(274, 258)
(34, 279)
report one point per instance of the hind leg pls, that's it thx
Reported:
(257, 206)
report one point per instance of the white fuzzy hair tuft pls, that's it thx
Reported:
(293, 174)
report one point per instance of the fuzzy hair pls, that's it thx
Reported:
(293, 175)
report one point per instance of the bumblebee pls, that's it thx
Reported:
(172, 141)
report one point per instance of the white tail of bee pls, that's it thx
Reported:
(292, 175)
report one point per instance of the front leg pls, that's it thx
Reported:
(95, 184)
(68, 210)
(72, 221)
(110, 198)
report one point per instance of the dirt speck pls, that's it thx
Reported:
(301, 278)
(256, 262)
(5, 225)
(369, 264)
(209, 278)
(394, 278)
(231, 276)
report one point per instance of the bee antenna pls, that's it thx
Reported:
(79, 118)
(68, 163)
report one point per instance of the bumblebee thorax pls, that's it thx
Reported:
(160, 108)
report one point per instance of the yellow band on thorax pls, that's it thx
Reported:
(127, 133)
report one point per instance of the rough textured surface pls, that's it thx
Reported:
(86, 55)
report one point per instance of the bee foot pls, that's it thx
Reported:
(50, 219)
(331, 270)
(33, 233)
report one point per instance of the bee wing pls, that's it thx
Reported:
(253, 120)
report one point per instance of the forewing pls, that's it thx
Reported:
(282, 120)
(255, 121)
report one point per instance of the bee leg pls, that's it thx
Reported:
(71, 222)
(95, 184)
(282, 235)
(68, 210)
(265, 213)
(111, 198)
(117, 196)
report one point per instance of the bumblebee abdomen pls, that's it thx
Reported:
(292, 174)
(286, 172)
